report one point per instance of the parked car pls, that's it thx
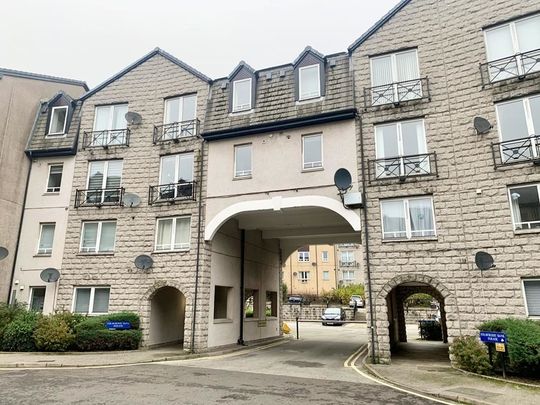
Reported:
(358, 300)
(296, 299)
(333, 316)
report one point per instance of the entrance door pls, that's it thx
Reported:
(37, 298)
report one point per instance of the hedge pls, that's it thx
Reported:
(53, 334)
(18, 335)
(104, 339)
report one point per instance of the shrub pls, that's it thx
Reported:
(19, 334)
(53, 334)
(470, 355)
(523, 344)
(90, 340)
(71, 319)
(124, 316)
(342, 294)
(7, 314)
(419, 300)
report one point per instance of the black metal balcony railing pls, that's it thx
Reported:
(171, 193)
(98, 197)
(106, 138)
(401, 167)
(176, 131)
(396, 93)
(516, 151)
(348, 263)
(515, 66)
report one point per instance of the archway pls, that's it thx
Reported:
(167, 316)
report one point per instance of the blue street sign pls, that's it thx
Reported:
(493, 337)
(117, 325)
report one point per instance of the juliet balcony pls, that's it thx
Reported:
(176, 131)
(516, 151)
(517, 66)
(99, 197)
(106, 138)
(397, 93)
(349, 263)
(172, 193)
(403, 167)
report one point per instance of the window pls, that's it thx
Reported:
(98, 236)
(179, 117)
(55, 178)
(512, 49)
(312, 152)
(241, 95)
(91, 300)
(347, 276)
(531, 291)
(324, 256)
(303, 254)
(57, 126)
(110, 125)
(400, 149)
(222, 297)
(525, 205)
(173, 234)
(519, 129)
(303, 276)
(251, 303)
(37, 298)
(242, 160)
(176, 176)
(347, 258)
(271, 304)
(309, 82)
(326, 275)
(408, 218)
(105, 177)
(46, 237)
(395, 77)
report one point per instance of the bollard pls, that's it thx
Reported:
(297, 331)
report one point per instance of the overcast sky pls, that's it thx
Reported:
(92, 40)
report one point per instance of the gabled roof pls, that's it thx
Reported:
(366, 35)
(239, 67)
(46, 78)
(57, 96)
(156, 51)
(308, 49)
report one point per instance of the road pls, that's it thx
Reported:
(308, 371)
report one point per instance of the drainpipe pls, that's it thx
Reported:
(242, 279)
(198, 258)
(317, 270)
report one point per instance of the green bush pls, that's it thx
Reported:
(18, 335)
(470, 355)
(53, 334)
(7, 314)
(523, 344)
(419, 300)
(71, 319)
(102, 340)
(342, 294)
(130, 317)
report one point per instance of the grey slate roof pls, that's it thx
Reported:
(275, 98)
(47, 78)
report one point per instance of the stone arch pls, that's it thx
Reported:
(414, 278)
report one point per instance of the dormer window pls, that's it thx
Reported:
(309, 82)
(57, 125)
(241, 95)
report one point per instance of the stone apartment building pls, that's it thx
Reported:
(20, 97)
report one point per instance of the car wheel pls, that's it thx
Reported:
(324, 324)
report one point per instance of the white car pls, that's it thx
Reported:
(356, 300)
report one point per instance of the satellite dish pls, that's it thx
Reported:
(133, 118)
(484, 261)
(50, 275)
(342, 179)
(143, 262)
(3, 252)
(131, 200)
(482, 125)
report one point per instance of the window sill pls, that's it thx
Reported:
(526, 231)
(417, 239)
(95, 254)
(170, 251)
(315, 169)
(242, 178)
(51, 193)
(43, 255)
(310, 100)
(62, 135)
(223, 321)
(241, 112)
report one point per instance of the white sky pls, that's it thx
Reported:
(92, 40)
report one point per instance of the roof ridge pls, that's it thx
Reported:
(40, 76)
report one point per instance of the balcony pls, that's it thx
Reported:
(397, 93)
(99, 197)
(176, 131)
(349, 263)
(171, 193)
(106, 138)
(516, 151)
(402, 167)
(517, 66)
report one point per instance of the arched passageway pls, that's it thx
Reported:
(167, 316)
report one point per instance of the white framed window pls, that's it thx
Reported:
(395, 77)
(91, 300)
(57, 125)
(347, 276)
(243, 160)
(324, 256)
(303, 254)
(241, 95)
(176, 176)
(408, 218)
(312, 152)
(37, 298)
(512, 48)
(179, 117)
(46, 238)
(304, 276)
(110, 124)
(55, 178)
(347, 258)
(105, 177)
(531, 295)
(173, 233)
(309, 82)
(98, 236)
(525, 206)
(326, 275)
